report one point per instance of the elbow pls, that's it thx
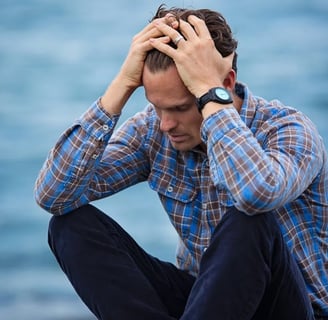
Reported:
(46, 203)
(54, 204)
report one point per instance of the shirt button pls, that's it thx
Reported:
(170, 189)
(204, 250)
(95, 156)
(105, 127)
(204, 206)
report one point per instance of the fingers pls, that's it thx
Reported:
(169, 26)
(195, 28)
(169, 31)
(151, 30)
(192, 29)
(172, 21)
(187, 30)
(199, 26)
(163, 47)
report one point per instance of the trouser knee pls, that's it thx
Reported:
(256, 239)
(249, 252)
(64, 223)
(72, 230)
(244, 229)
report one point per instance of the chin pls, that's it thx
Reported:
(183, 147)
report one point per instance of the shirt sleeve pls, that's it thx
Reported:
(83, 166)
(265, 168)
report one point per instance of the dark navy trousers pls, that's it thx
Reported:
(247, 272)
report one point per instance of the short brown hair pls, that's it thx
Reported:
(218, 27)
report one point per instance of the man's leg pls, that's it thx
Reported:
(114, 277)
(247, 272)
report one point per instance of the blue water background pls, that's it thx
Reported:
(57, 57)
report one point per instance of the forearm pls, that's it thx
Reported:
(213, 107)
(260, 173)
(64, 180)
(116, 96)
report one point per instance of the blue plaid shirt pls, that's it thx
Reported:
(269, 157)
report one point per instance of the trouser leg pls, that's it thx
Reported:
(248, 273)
(114, 277)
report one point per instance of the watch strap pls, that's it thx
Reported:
(212, 95)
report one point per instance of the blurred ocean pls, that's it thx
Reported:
(57, 57)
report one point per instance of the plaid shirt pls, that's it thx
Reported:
(269, 157)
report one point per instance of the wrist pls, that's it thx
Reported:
(115, 97)
(213, 107)
(219, 95)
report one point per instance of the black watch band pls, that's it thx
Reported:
(218, 94)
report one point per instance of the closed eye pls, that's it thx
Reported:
(179, 108)
(183, 108)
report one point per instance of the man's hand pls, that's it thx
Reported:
(199, 63)
(132, 68)
(130, 76)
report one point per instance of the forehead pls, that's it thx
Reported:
(165, 88)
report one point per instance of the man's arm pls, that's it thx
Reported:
(259, 177)
(130, 76)
(265, 171)
(83, 166)
(74, 173)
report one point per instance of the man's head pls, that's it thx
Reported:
(173, 102)
(218, 27)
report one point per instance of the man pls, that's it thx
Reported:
(243, 180)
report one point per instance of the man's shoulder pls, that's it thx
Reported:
(146, 121)
(143, 125)
(259, 113)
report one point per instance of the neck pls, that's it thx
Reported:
(237, 102)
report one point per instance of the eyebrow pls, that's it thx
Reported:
(186, 104)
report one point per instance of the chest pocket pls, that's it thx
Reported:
(170, 186)
(177, 197)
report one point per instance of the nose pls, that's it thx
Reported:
(168, 123)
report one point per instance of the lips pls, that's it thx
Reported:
(177, 138)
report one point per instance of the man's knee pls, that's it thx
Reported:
(57, 224)
(71, 228)
(242, 238)
(85, 215)
(239, 224)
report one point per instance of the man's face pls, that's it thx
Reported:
(175, 107)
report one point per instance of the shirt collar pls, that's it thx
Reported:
(248, 108)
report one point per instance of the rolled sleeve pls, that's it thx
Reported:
(97, 123)
(226, 119)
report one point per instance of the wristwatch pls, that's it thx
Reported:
(219, 95)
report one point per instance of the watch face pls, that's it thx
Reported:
(222, 94)
(218, 95)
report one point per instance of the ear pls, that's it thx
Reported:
(230, 80)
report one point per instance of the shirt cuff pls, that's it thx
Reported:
(97, 123)
(219, 123)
